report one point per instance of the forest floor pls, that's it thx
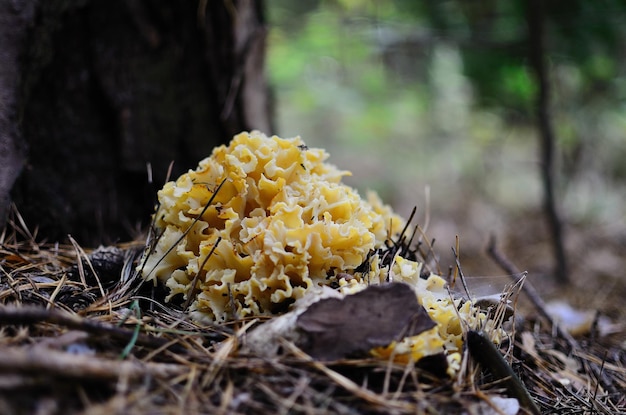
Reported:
(596, 265)
(74, 340)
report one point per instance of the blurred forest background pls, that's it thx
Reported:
(432, 104)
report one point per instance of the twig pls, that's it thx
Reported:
(49, 361)
(595, 390)
(348, 384)
(194, 289)
(81, 256)
(429, 245)
(171, 248)
(460, 270)
(32, 315)
(537, 53)
(529, 290)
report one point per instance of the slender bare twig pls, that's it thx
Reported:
(194, 289)
(460, 270)
(529, 290)
(546, 132)
(32, 315)
(346, 383)
(196, 219)
(38, 360)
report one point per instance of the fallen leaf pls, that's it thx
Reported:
(335, 328)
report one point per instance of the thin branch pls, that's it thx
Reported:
(33, 315)
(532, 294)
(194, 289)
(39, 360)
(546, 133)
(174, 245)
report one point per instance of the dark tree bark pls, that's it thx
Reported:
(99, 89)
(546, 134)
(14, 22)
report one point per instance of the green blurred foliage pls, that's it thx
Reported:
(439, 92)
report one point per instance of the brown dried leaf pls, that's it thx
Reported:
(335, 328)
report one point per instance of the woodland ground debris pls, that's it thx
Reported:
(73, 343)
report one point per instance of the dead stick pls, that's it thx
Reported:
(535, 18)
(38, 360)
(32, 315)
(529, 290)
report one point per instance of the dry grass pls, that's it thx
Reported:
(79, 333)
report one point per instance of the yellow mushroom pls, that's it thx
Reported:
(265, 220)
(283, 219)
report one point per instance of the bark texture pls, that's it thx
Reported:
(96, 90)
(15, 19)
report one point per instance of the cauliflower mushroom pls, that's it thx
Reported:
(265, 220)
(280, 224)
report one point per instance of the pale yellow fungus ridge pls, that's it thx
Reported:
(279, 223)
(285, 220)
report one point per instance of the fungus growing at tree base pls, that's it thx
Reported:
(265, 221)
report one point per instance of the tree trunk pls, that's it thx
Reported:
(97, 90)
